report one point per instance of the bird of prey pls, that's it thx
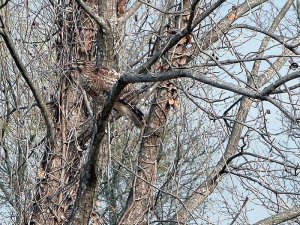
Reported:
(98, 82)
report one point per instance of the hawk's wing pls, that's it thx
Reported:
(98, 81)
(101, 80)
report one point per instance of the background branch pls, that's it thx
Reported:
(39, 99)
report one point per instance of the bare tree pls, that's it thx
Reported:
(217, 82)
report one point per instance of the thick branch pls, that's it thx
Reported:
(181, 73)
(188, 74)
(177, 37)
(141, 199)
(263, 95)
(281, 217)
(4, 4)
(129, 12)
(99, 20)
(279, 82)
(223, 26)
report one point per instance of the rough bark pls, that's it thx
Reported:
(145, 176)
(140, 201)
(108, 58)
(59, 172)
(57, 179)
(97, 155)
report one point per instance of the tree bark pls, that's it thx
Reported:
(92, 171)
(140, 201)
(59, 171)
(281, 217)
(141, 197)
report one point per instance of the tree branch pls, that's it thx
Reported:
(4, 4)
(248, 59)
(292, 48)
(272, 87)
(36, 94)
(129, 12)
(223, 26)
(88, 181)
(177, 37)
(266, 39)
(212, 180)
(181, 73)
(184, 73)
(99, 20)
(281, 217)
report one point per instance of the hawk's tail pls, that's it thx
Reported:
(135, 115)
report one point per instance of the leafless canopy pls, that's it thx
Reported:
(217, 82)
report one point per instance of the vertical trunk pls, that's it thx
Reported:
(108, 10)
(58, 175)
(141, 197)
(83, 206)
(140, 201)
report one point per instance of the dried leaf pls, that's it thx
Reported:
(41, 173)
(233, 14)
(176, 104)
(122, 6)
(171, 102)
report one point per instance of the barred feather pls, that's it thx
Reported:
(100, 80)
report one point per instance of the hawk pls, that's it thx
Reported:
(98, 82)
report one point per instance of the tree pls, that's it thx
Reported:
(216, 80)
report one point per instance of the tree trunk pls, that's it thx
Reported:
(62, 161)
(141, 198)
(84, 204)
(140, 201)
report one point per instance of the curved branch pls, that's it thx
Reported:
(129, 12)
(279, 82)
(36, 94)
(223, 26)
(248, 59)
(99, 20)
(88, 180)
(177, 37)
(286, 89)
(4, 4)
(181, 73)
(281, 217)
(282, 109)
(292, 48)
(261, 183)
